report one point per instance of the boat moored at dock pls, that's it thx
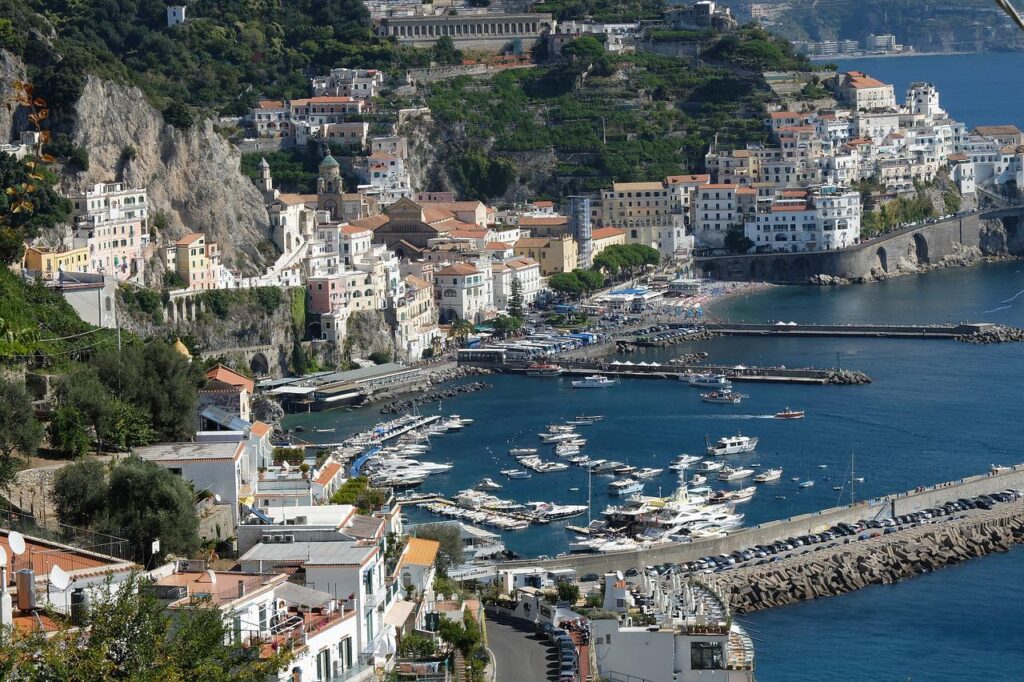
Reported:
(733, 445)
(594, 381)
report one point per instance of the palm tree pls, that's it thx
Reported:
(460, 331)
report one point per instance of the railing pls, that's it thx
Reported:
(361, 666)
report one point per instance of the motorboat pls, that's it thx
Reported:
(707, 380)
(594, 381)
(594, 463)
(624, 469)
(552, 511)
(561, 428)
(733, 445)
(516, 473)
(625, 486)
(708, 466)
(566, 449)
(807, 484)
(589, 417)
(488, 484)
(647, 472)
(579, 459)
(697, 479)
(724, 397)
(768, 476)
(557, 437)
(837, 488)
(465, 421)
(730, 474)
(790, 414)
(606, 467)
(522, 452)
(733, 496)
(543, 369)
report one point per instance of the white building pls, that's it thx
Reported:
(716, 213)
(862, 92)
(525, 270)
(462, 292)
(827, 218)
(361, 83)
(112, 220)
(175, 15)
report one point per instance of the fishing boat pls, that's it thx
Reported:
(594, 381)
(807, 484)
(790, 414)
(708, 466)
(733, 445)
(697, 479)
(543, 369)
(625, 486)
(730, 474)
(706, 380)
(488, 484)
(647, 472)
(522, 452)
(768, 476)
(724, 397)
(516, 473)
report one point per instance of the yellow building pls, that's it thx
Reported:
(555, 254)
(49, 262)
(603, 237)
(196, 261)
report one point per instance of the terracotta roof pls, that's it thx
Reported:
(789, 207)
(990, 131)
(435, 214)
(634, 186)
(229, 376)
(328, 473)
(746, 191)
(456, 205)
(520, 263)
(719, 185)
(499, 267)
(680, 179)
(458, 269)
(858, 141)
(417, 282)
(497, 246)
(189, 238)
(796, 129)
(468, 233)
(321, 100)
(292, 199)
(421, 552)
(527, 221)
(794, 193)
(606, 232)
(544, 204)
(957, 157)
(858, 80)
(259, 429)
(784, 114)
(409, 248)
(270, 104)
(532, 243)
(371, 223)
(355, 229)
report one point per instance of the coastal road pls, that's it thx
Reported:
(518, 654)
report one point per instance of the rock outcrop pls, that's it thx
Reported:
(11, 69)
(368, 333)
(192, 176)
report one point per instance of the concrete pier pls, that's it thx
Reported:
(779, 375)
(881, 331)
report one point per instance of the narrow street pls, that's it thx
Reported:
(519, 655)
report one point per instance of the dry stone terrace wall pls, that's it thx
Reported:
(902, 503)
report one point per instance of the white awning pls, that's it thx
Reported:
(399, 613)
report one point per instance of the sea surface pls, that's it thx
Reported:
(978, 89)
(936, 410)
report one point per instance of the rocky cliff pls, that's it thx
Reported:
(192, 176)
(11, 69)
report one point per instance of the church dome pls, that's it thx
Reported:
(182, 349)
(329, 161)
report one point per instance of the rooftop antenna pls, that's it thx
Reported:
(59, 578)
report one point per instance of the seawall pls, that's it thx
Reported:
(877, 561)
(772, 531)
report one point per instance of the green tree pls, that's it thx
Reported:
(736, 241)
(568, 592)
(129, 635)
(505, 325)
(444, 51)
(300, 361)
(566, 283)
(380, 357)
(126, 425)
(460, 331)
(448, 534)
(516, 306)
(46, 208)
(590, 280)
(464, 636)
(19, 431)
(79, 492)
(179, 115)
(417, 647)
(68, 431)
(86, 395)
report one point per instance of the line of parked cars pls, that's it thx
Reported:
(568, 655)
(846, 532)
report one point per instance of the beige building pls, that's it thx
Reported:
(860, 91)
(554, 254)
(50, 262)
(415, 319)
(196, 260)
(603, 237)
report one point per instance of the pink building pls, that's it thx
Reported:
(326, 292)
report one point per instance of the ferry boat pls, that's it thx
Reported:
(807, 484)
(647, 472)
(594, 381)
(725, 397)
(790, 414)
(543, 369)
(730, 474)
(488, 484)
(706, 380)
(516, 473)
(522, 452)
(733, 445)
(625, 486)
(708, 466)
(768, 476)
(697, 479)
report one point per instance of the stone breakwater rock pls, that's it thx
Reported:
(848, 377)
(689, 359)
(995, 334)
(433, 396)
(453, 373)
(827, 280)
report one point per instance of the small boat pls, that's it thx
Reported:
(733, 445)
(780, 497)
(625, 486)
(488, 484)
(589, 417)
(579, 422)
(859, 479)
(795, 478)
(522, 452)
(823, 466)
(465, 421)
(516, 473)
(566, 449)
(790, 414)
(725, 397)
(624, 469)
(837, 488)
(768, 476)
(594, 381)
(647, 472)
(697, 479)
(706, 380)
(594, 463)
(606, 467)
(730, 474)
(574, 490)
(325, 430)
(579, 459)
(709, 465)
(807, 484)
(543, 369)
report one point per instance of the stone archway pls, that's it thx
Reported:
(920, 248)
(883, 259)
(259, 364)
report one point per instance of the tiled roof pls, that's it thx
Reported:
(417, 282)
(371, 223)
(497, 246)
(229, 376)
(355, 229)
(292, 199)
(532, 243)
(606, 232)
(636, 186)
(259, 429)
(784, 114)
(858, 80)
(270, 104)
(680, 179)
(189, 238)
(458, 269)
(527, 221)
(328, 473)
(991, 131)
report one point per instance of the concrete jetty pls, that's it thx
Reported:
(780, 375)
(877, 561)
(962, 331)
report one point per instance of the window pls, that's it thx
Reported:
(706, 656)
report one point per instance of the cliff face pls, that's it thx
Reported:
(192, 176)
(11, 69)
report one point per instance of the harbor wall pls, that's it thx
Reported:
(772, 531)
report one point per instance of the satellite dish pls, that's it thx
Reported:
(59, 578)
(216, 498)
(3, 558)
(17, 542)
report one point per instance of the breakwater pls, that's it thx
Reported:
(961, 332)
(399, 406)
(877, 561)
(790, 375)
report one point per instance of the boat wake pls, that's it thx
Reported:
(995, 310)
(1014, 297)
(733, 416)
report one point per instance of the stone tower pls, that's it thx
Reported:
(329, 187)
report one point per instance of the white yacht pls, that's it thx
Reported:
(557, 437)
(488, 484)
(522, 452)
(683, 461)
(625, 486)
(708, 466)
(647, 472)
(730, 474)
(733, 445)
(516, 473)
(566, 449)
(768, 476)
(594, 381)
(706, 380)
(697, 479)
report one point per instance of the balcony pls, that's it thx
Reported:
(293, 629)
(373, 600)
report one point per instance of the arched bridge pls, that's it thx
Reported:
(262, 360)
(902, 250)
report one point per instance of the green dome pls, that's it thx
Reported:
(328, 161)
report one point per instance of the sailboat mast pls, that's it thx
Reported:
(853, 499)
(590, 472)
